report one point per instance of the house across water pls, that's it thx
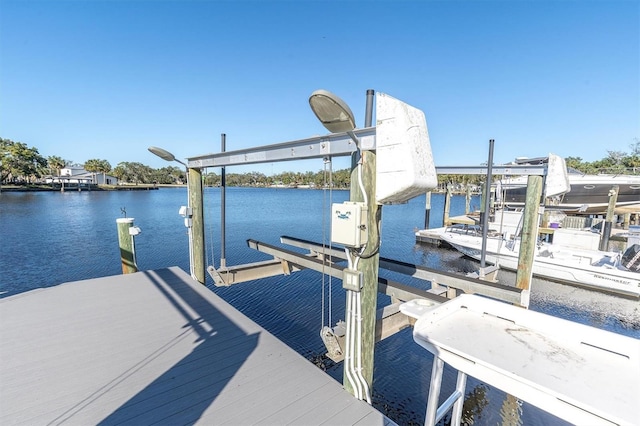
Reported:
(77, 175)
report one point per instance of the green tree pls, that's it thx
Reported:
(56, 164)
(19, 162)
(574, 163)
(635, 147)
(98, 166)
(212, 179)
(133, 172)
(92, 165)
(342, 178)
(168, 175)
(105, 167)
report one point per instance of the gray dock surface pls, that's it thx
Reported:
(155, 347)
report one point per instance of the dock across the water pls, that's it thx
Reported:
(155, 347)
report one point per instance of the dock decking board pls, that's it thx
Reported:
(155, 348)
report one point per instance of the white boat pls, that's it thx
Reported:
(588, 193)
(593, 269)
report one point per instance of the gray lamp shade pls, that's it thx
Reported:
(334, 114)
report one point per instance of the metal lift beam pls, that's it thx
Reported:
(337, 145)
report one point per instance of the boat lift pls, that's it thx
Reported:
(334, 145)
(399, 139)
(391, 139)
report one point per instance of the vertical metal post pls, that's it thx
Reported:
(487, 204)
(368, 115)
(127, 245)
(223, 206)
(427, 210)
(194, 181)
(434, 391)
(608, 222)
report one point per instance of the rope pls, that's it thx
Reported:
(324, 238)
(326, 295)
(209, 213)
(330, 242)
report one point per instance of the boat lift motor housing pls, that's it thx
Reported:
(404, 162)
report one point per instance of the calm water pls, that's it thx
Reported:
(51, 238)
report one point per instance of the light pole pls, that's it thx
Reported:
(187, 212)
(360, 279)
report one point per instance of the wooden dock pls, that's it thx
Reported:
(155, 347)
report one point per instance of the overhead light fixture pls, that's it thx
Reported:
(164, 154)
(334, 114)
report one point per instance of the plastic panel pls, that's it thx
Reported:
(404, 162)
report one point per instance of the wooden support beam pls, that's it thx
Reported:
(447, 206)
(313, 247)
(363, 188)
(608, 222)
(389, 321)
(300, 260)
(194, 180)
(127, 245)
(529, 234)
(465, 284)
(226, 276)
(403, 293)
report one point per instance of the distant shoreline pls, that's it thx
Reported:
(145, 187)
(88, 188)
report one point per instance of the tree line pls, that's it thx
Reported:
(20, 163)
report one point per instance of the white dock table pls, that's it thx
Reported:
(579, 373)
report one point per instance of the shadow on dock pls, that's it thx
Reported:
(187, 389)
(155, 347)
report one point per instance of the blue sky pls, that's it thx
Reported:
(107, 79)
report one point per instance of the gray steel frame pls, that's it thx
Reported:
(336, 145)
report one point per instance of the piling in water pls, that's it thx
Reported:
(127, 245)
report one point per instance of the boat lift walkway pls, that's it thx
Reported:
(155, 347)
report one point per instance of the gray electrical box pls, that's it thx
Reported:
(349, 224)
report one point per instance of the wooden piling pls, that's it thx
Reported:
(467, 200)
(197, 207)
(368, 263)
(529, 234)
(447, 206)
(127, 245)
(608, 222)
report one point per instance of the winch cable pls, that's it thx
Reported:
(325, 211)
(208, 201)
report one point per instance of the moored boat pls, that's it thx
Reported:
(593, 269)
(588, 193)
